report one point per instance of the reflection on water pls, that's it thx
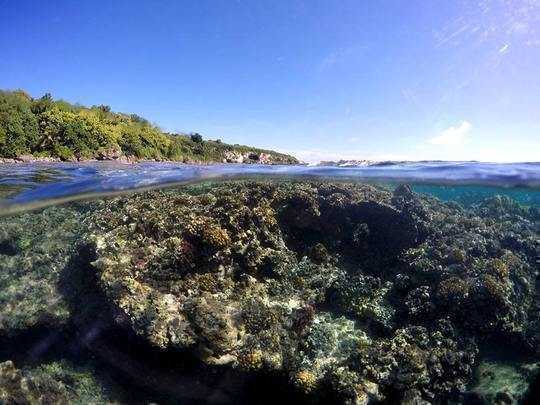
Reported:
(265, 290)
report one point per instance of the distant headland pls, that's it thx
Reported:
(44, 129)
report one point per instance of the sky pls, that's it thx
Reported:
(324, 80)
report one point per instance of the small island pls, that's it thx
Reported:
(44, 129)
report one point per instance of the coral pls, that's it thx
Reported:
(419, 302)
(503, 382)
(349, 291)
(15, 388)
(52, 383)
(456, 256)
(501, 207)
(305, 380)
(318, 253)
(251, 360)
(453, 289)
(35, 248)
(345, 285)
(499, 268)
(204, 232)
(364, 297)
(433, 363)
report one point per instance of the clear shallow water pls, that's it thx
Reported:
(39, 183)
(270, 285)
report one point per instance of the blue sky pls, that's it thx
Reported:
(321, 79)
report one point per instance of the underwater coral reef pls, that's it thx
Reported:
(336, 292)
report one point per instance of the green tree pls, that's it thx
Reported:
(19, 132)
(83, 133)
(196, 137)
(138, 119)
(42, 104)
(58, 128)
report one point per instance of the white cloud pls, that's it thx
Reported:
(317, 155)
(453, 136)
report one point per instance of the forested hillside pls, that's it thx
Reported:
(44, 127)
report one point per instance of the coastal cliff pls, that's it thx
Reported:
(44, 129)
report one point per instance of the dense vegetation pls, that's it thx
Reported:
(44, 127)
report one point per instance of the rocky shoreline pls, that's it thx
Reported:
(229, 157)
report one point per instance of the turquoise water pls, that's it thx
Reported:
(164, 283)
(471, 194)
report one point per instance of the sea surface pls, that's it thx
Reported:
(42, 183)
(177, 284)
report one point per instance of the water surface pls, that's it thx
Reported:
(38, 183)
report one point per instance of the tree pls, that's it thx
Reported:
(24, 94)
(196, 137)
(46, 127)
(42, 104)
(18, 125)
(139, 119)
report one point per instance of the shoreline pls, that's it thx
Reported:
(131, 161)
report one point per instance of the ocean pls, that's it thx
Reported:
(165, 283)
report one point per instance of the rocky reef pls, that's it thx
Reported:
(53, 383)
(349, 293)
(35, 248)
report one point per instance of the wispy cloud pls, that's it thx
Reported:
(504, 49)
(453, 136)
(519, 27)
(480, 21)
(445, 36)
